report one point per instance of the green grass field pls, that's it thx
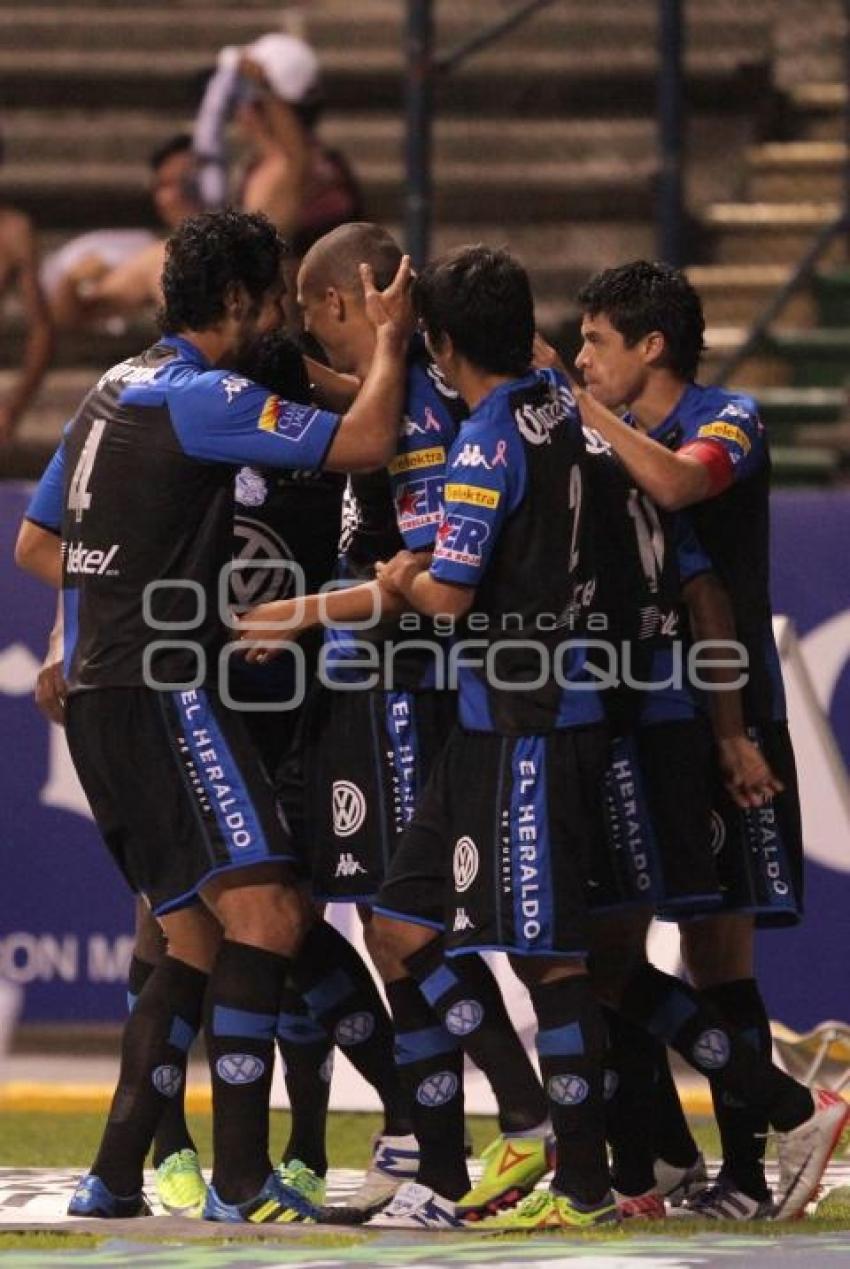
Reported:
(44, 1139)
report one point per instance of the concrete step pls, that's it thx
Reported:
(818, 358)
(795, 170)
(768, 233)
(761, 369)
(736, 294)
(806, 466)
(126, 136)
(791, 408)
(832, 293)
(66, 194)
(815, 111)
(376, 26)
(620, 80)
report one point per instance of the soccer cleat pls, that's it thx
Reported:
(180, 1185)
(678, 1184)
(723, 1201)
(641, 1207)
(512, 1168)
(394, 1161)
(276, 1203)
(92, 1198)
(805, 1151)
(297, 1176)
(544, 1209)
(415, 1206)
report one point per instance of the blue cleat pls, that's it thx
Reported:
(275, 1202)
(92, 1198)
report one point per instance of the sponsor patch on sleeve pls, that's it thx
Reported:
(418, 458)
(720, 431)
(472, 494)
(285, 419)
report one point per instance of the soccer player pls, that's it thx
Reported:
(19, 276)
(148, 508)
(704, 449)
(493, 858)
(369, 753)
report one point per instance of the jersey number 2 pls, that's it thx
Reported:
(79, 495)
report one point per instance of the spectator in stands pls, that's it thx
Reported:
(111, 273)
(19, 278)
(272, 90)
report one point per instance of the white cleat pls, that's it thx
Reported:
(417, 1206)
(394, 1161)
(678, 1184)
(805, 1151)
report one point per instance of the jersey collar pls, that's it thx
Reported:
(187, 350)
(675, 416)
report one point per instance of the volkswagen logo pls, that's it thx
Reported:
(464, 1017)
(465, 863)
(437, 1089)
(349, 808)
(260, 571)
(240, 1068)
(354, 1029)
(568, 1090)
(711, 1050)
(167, 1080)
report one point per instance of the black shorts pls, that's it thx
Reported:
(497, 854)
(657, 848)
(176, 788)
(760, 852)
(364, 759)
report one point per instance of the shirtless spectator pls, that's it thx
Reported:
(272, 90)
(19, 278)
(110, 273)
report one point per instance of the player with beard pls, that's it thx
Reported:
(146, 531)
(703, 450)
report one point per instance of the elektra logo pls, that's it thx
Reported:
(86, 559)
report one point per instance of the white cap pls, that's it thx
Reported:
(291, 66)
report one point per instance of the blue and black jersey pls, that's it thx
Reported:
(147, 506)
(734, 526)
(515, 526)
(396, 508)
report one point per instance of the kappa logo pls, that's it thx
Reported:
(240, 1068)
(568, 1090)
(355, 1028)
(718, 832)
(462, 920)
(437, 1089)
(429, 423)
(471, 455)
(349, 808)
(167, 1080)
(464, 1017)
(233, 385)
(711, 1050)
(464, 864)
(347, 865)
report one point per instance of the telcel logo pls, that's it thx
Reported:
(81, 559)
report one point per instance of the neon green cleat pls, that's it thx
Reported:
(180, 1185)
(297, 1176)
(543, 1209)
(512, 1168)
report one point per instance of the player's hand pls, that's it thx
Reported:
(747, 776)
(391, 307)
(545, 357)
(251, 70)
(266, 643)
(396, 574)
(51, 690)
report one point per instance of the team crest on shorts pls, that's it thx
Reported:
(465, 863)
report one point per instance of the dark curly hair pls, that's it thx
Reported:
(276, 363)
(481, 298)
(641, 297)
(210, 254)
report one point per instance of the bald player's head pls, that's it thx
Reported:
(334, 261)
(330, 291)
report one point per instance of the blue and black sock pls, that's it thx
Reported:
(430, 1063)
(466, 997)
(571, 1046)
(307, 1052)
(154, 1048)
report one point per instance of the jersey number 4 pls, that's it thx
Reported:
(79, 495)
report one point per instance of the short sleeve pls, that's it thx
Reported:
(739, 432)
(222, 417)
(485, 482)
(47, 503)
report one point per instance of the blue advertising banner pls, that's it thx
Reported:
(66, 916)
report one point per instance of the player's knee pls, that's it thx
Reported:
(718, 950)
(389, 942)
(538, 971)
(270, 917)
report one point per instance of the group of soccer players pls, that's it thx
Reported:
(547, 707)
